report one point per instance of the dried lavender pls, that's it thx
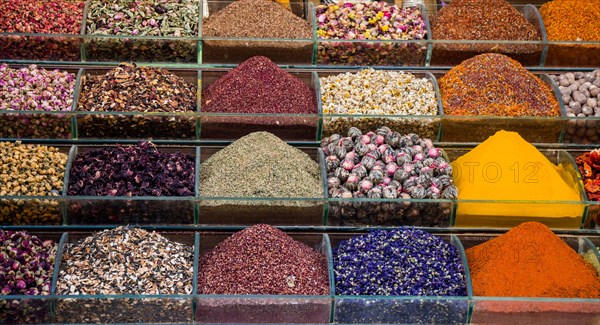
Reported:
(387, 165)
(399, 262)
(124, 261)
(142, 18)
(129, 88)
(140, 170)
(263, 260)
(31, 170)
(33, 89)
(379, 92)
(26, 266)
(252, 19)
(260, 165)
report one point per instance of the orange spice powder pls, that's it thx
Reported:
(572, 20)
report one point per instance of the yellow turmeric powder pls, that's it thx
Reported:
(504, 168)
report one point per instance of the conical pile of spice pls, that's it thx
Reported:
(256, 19)
(495, 85)
(531, 261)
(263, 260)
(259, 86)
(505, 167)
(261, 165)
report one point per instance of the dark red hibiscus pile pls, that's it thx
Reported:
(589, 166)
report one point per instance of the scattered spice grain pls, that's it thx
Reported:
(370, 21)
(260, 165)
(26, 266)
(30, 170)
(378, 92)
(483, 20)
(387, 165)
(399, 262)
(129, 88)
(572, 20)
(41, 17)
(259, 86)
(531, 261)
(592, 259)
(496, 85)
(33, 89)
(228, 33)
(263, 260)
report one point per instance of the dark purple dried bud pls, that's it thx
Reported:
(391, 168)
(376, 176)
(450, 193)
(435, 182)
(403, 158)
(365, 185)
(433, 152)
(409, 183)
(334, 139)
(340, 152)
(393, 139)
(341, 174)
(360, 170)
(389, 192)
(414, 137)
(330, 149)
(332, 163)
(386, 181)
(444, 169)
(433, 193)
(405, 142)
(354, 133)
(368, 161)
(445, 180)
(348, 164)
(335, 192)
(418, 149)
(417, 192)
(366, 139)
(361, 149)
(379, 140)
(389, 156)
(352, 156)
(352, 182)
(333, 182)
(382, 149)
(401, 175)
(347, 143)
(374, 193)
(346, 195)
(424, 180)
(418, 157)
(384, 130)
(396, 184)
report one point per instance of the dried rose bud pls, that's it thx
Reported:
(417, 192)
(393, 139)
(348, 164)
(450, 193)
(391, 168)
(361, 149)
(333, 182)
(374, 193)
(342, 174)
(332, 163)
(353, 156)
(418, 157)
(347, 143)
(379, 140)
(409, 183)
(389, 192)
(360, 170)
(376, 176)
(352, 182)
(368, 161)
(384, 130)
(444, 180)
(334, 139)
(389, 156)
(433, 152)
(354, 133)
(340, 152)
(365, 185)
(387, 181)
(417, 149)
(365, 139)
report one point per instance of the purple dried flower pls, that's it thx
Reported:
(331, 163)
(365, 185)
(348, 164)
(391, 168)
(333, 182)
(352, 182)
(433, 153)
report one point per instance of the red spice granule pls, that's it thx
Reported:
(531, 261)
(259, 86)
(45, 17)
(496, 85)
(589, 167)
(263, 260)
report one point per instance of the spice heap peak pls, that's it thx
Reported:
(531, 261)
(506, 167)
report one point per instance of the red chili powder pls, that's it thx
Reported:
(259, 86)
(531, 261)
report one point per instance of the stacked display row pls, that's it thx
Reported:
(74, 299)
(201, 105)
(113, 32)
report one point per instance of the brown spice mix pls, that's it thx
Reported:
(256, 19)
(496, 85)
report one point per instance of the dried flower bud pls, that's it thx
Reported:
(414, 137)
(361, 149)
(418, 157)
(354, 133)
(348, 164)
(352, 182)
(384, 130)
(409, 183)
(445, 180)
(428, 143)
(402, 158)
(444, 169)
(376, 176)
(391, 168)
(366, 139)
(389, 192)
(332, 163)
(341, 174)
(393, 139)
(450, 193)
(396, 184)
(340, 152)
(424, 180)
(435, 182)
(389, 155)
(374, 193)
(347, 143)
(334, 139)
(418, 149)
(333, 182)
(417, 192)
(433, 152)
(346, 194)
(368, 161)
(365, 185)
(433, 193)
(386, 181)
(382, 149)
(352, 156)
(379, 140)
(405, 142)
(360, 170)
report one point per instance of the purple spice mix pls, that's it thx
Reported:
(399, 262)
(259, 86)
(263, 260)
(140, 170)
(26, 263)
